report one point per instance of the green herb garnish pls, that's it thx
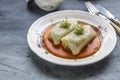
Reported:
(78, 30)
(65, 24)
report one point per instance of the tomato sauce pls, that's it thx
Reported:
(59, 51)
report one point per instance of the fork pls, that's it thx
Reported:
(94, 11)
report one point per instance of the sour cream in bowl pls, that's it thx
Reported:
(48, 5)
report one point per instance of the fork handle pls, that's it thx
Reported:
(116, 21)
(116, 27)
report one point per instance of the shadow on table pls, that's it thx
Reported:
(32, 7)
(67, 72)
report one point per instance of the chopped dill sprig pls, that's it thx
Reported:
(78, 30)
(65, 24)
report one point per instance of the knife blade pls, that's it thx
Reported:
(108, 14)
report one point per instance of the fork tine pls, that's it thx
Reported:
(88, 7)
(91, 8)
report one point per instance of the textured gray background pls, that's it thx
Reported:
(18, 62)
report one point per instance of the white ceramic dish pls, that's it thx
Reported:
(48, 5)
(36, 30)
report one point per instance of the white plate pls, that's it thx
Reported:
(37, 28)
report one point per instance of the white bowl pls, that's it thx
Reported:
(48, 5)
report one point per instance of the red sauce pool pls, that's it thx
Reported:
(59, 51)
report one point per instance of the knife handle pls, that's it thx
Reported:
(116, 21)
(116, 27)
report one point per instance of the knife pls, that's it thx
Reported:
(106, 13)
(93, 10)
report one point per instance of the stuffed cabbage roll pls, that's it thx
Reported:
(60, 30)
(76, 40)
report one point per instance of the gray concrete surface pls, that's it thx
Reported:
(18, 62)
